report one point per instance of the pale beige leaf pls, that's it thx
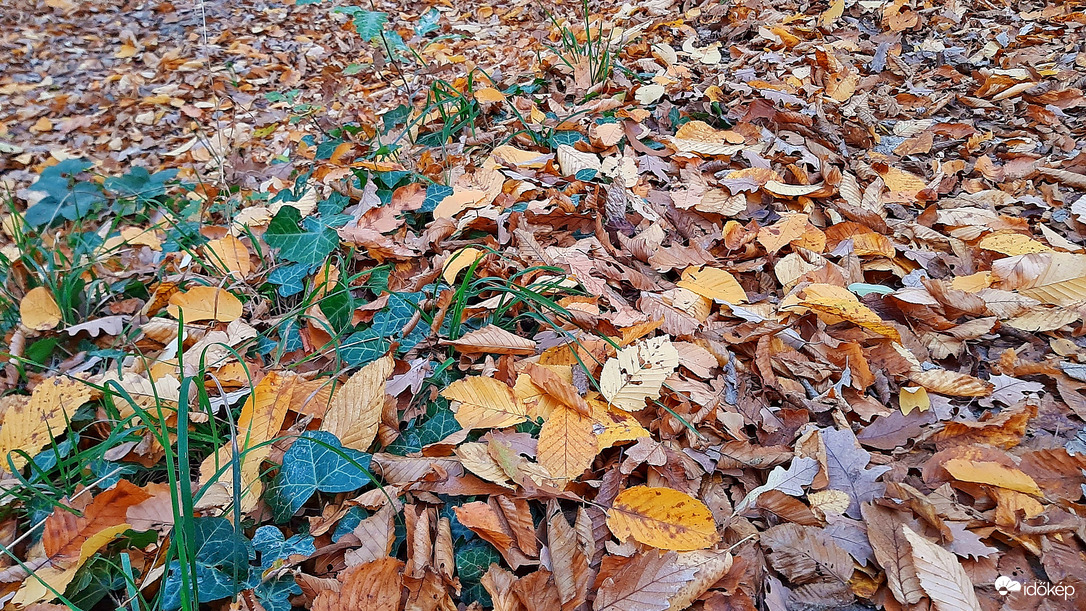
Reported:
(941, 575)
(781, 189)
(1057, 278)
(476, 458)
(356, 408)
(1044, 319)
(952, 383)
(638, 372)
(484, 403)
(643, 583)
(571, 161)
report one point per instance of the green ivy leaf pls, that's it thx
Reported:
(316, 461)
(363, 347)
(222, 563)
(369, 24)
(311, 244)
(337, 306)
(273, 549)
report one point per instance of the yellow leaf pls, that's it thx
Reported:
(485, 403)
(205, 303)
(260, 421)
(356, 409)
(832, 14)
(902, 181)
(992, 474)
(834, 304)
(914, 397)
(489, 95)
(30, 426)
(663, 518)
(973, 282)
(637, 373)
(34, 589)
(229, 255)
(614, 426)
(712, 283)
(460, 260)
(567, 444)
(1012, 244)
(39, 310)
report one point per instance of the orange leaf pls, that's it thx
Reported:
(663, 518)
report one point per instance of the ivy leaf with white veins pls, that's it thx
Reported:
(316, 461)
(638, 373)
(222, 563)
(846, 463)
(311, 243)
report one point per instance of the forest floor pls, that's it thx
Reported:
(760, 304)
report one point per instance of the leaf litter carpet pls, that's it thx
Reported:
(817, 276)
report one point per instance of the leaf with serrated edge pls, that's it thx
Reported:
(356, 408)
(567, 444)
(643, 583)
(484, 403)
(941, 575)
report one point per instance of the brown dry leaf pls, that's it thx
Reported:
(484, 403)
(492, 339)
(58, 577)
(941, 575)
(893, 552)
(205, 303)
(356, 408)
(65, 533)
(951, 383)
(29, 426)
(375, 586)
(39, 311)
(663, 518)
(644, 582)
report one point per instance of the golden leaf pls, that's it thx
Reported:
(614, 426)
(779, 234)
(992, 474)
(38, 309)
(567, 444)
(205, 303)
(229, 255)
(712, 283)
(700, 137)
(488, 95)
(484, 403)
(834, 304)
(356, 408)
(913, 397)
(459, 261)
(1012, 244)
(30, 426)
(260, 421)
(637, 373)
(663, 518)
